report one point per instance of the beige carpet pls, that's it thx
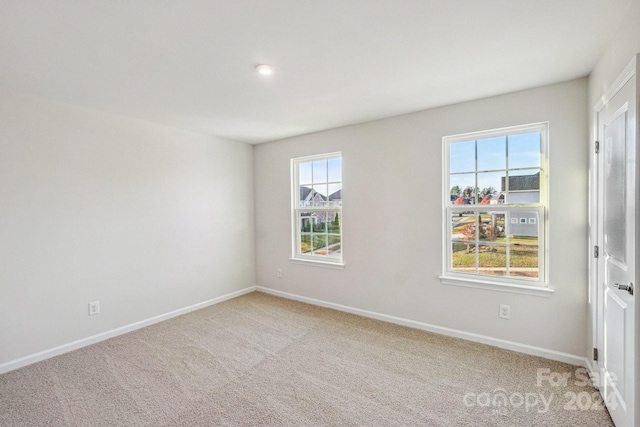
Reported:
(262, 360)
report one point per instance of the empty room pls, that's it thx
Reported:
(278, 213)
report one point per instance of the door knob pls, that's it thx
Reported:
(628, 288)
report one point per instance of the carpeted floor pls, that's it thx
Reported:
(263, 360)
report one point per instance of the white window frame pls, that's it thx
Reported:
(539, 286)
(297, 256)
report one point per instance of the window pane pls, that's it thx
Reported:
(490, 228)
(334, 247)
(335, 194)
(462, 157)
(335, 170)
(305, 223)
(524, 150)
(319, 195)
(522, 227)
(463, 257)
(319, 222)
(492, 153)
(615, 189)
(498, 220)
(304, 173)
(463, 226)
(305, 244)
(524, 186)
(489, 187)
(319, 244)
(492, 259)
(462, 189)
(523, 261)
(333, 225)
(306, 194)
(319, 171)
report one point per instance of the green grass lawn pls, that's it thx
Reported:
(495, 256)
(319, 242)
(520, 256)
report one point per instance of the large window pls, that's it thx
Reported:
(495, 200)
(317, 208)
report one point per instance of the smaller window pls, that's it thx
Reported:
(317, 208)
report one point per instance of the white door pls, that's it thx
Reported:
(617, 237)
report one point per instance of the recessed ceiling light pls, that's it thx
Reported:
(265, 69)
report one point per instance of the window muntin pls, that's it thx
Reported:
(317, 208)
(495, 206)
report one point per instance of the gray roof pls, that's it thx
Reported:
(304, 193)
(523, 182)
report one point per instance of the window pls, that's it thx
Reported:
(317, 208)
(495, 204)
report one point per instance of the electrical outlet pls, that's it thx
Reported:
(505, 311)
(94, 308)
(279, 273)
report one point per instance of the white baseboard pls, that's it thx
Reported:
(496, 342)
(65, 348)
(509, 345)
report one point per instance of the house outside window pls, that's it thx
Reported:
(495, 207)
(317, 209)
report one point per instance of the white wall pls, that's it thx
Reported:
(146, 219)
(623, 46)
(392, 171)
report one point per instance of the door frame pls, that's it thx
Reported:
(631, 71)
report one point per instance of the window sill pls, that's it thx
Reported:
(537, 291)
(318, 263)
